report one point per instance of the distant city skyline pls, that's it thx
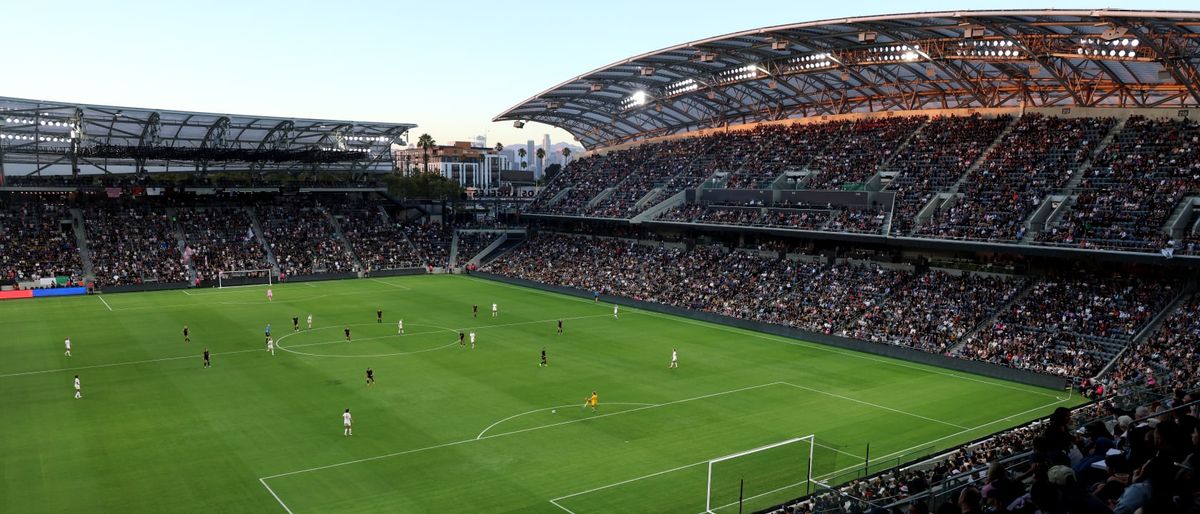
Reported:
(447, 70)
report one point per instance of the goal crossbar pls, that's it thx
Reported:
(812, 442)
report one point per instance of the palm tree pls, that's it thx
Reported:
(499, 147)
(524, 164)
(566, 154)
(425, 142)
(541, 157)
(522, 153)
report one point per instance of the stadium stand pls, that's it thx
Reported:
(935, 159)
(221, 238)
(133, 245)
(1036, 158)
(303, 241)
(1070, 327)
(935, 310)
(33, 243)
(379, 243)
(1136, 183)
(1168, 358)
(471, 243)
(432, 243)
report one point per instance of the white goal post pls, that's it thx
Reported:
(789, 450)
(222, 276)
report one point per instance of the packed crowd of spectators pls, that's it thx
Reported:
(34, 243)
(854, 154)
(935, 310)
(1103, 458)
(749, 215)
(378, 243)
(586, 177)
(1036, 158)
(470, 243)
(935, 158)
(812, 295)
(431, 242)
(1133, 187)
(1064, 327)
(133, 245)
(799, 217)
(220, 239)
(1069, 327)
(653, 165)
(1170, 356)
(303, 240)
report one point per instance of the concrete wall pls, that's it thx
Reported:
(897, 352)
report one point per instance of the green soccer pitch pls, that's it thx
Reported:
(445, 427)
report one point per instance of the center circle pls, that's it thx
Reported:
(419, 331)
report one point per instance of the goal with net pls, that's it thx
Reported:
(761, 477)
(244, 277)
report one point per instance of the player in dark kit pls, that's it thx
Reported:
(379, 315)
(295, 323)
(462, 339)
(370, 377)
(474, 310)
(186, 337)
(206, 361)
(347, 334)
(560, 326)
(544, 363)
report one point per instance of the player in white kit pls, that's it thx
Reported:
(472, 340)
(400, 327)
(615, 308)
(310, 321)
(78, 391)
(495, 310)
(67, 343)
(346, 423)
(674, 359)
(271, 345)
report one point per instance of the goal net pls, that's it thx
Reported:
(762, 477)
(244, 277)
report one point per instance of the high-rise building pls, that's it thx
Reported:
(531, 156)
(549, 150)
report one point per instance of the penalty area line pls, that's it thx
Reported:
(555, 501)
(277, 498)
(110, 309)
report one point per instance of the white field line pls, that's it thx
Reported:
(398, 286)
(569, 511)
(794, 342)
(272, 491)
(105, 303)
(489, 427)
(759, 495)
(876, 405)
(831, 474)
(514, 432)
(165, 359)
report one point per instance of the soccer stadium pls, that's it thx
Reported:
(905, 263)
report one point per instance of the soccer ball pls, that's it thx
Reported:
(553, 411)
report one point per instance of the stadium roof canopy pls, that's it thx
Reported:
(961, 59)
(47, 137)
